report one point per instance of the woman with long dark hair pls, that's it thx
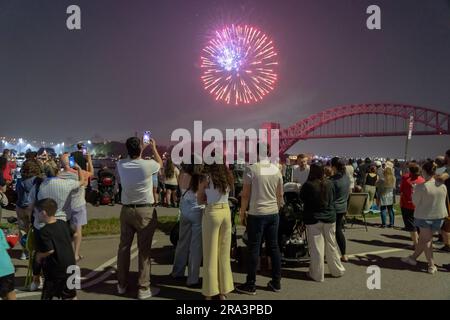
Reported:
(171, 174)
(216, 230)
(342, 188)
(318, 196)
(189, 246)
(370, 182)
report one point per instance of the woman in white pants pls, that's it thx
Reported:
(318, 196)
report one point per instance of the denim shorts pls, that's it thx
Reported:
(155, 180)
(435, 224)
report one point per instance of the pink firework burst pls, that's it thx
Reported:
(239, 65)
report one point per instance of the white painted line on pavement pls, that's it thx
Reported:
(108, 273)
(102, 268)
(111, 263)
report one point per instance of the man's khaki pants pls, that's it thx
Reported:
(142, 221)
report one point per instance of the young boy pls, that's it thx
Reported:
(55, 252)
(6, 271)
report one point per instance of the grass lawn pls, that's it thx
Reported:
(100, 227)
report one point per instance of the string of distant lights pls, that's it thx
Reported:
(23, 144)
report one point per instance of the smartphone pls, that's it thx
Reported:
(147, 137)
(72, 161)
(84, 151)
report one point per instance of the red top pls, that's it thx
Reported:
(406, 190)
(7, 173)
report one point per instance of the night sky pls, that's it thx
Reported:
(135, 65)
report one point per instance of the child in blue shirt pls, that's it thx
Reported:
(6, 271)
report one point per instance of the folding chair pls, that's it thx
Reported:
(356, 205)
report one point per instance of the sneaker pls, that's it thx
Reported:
(148, 293)
(432, 270)
(36, 286)
(409, 260)
(274, 286)
(246, 289)
(24, 256)
(121, 290)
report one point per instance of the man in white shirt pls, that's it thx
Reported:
(301, 170)
(263, 194)
(137, 215)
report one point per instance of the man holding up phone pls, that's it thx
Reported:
(137, 215)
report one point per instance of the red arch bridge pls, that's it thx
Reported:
(364, 120)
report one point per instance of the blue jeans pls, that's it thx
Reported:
(189, 247)
(258, 227)
(390, 211)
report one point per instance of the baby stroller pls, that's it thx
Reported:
(106, 186)
(292, 231)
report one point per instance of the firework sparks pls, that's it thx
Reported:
(239, 65)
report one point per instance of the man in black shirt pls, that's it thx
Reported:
(55, 253)
(79, 157)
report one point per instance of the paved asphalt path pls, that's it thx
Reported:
(379, 247)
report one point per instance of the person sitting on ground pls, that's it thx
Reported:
(6, 271)
(318, 196)
(55, 253)
(430, 201)
(409, 181)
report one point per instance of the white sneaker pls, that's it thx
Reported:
(432, 270)
(148, 293)
(409, 260)
(23, 256)
(121, 291)
(36, 286)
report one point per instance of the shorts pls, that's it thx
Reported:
(78, 216)
(6, 285)
(408, 219)
(171, 187)
(155, 181)
(57, 288)
(435, 224)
